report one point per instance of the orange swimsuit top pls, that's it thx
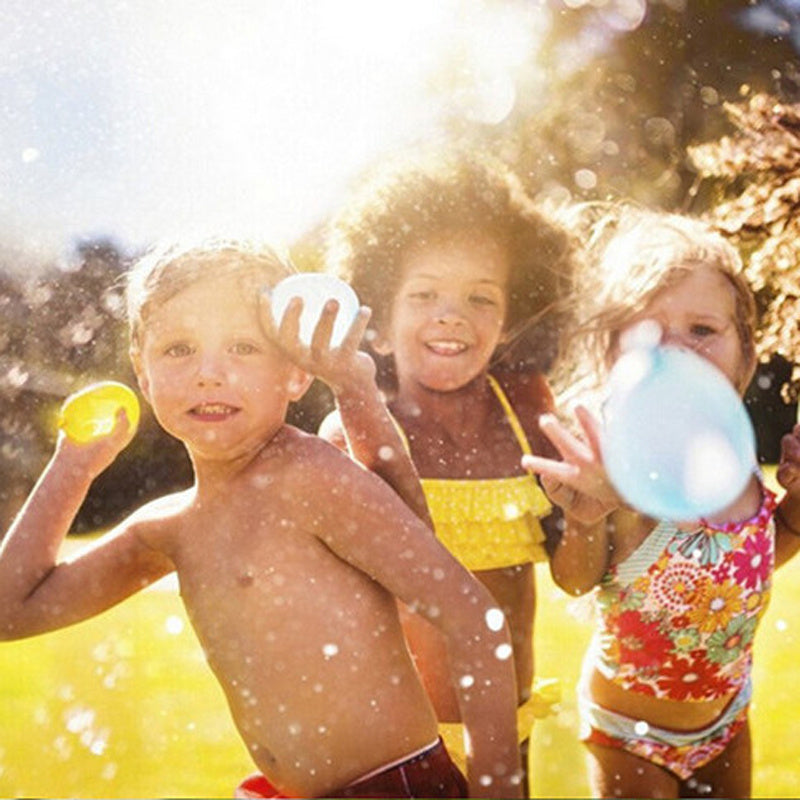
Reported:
(493, 522)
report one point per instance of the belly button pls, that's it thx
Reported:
(246, 578)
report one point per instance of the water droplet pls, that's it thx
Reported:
(330, 650)
(494, 619)
(502, 652)
(173, 625)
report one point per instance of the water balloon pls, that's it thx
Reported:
(678, 443)
(91, 412)
(315, 289)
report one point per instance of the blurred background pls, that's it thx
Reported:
(125, 121)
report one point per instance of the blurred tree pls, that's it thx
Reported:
(62, 328)
(753, 179)
(628, 86)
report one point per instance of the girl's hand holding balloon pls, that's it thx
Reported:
(578, 484)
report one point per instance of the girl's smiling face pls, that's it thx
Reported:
(699, 313)
(448, 313)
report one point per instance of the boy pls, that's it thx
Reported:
(289, 555)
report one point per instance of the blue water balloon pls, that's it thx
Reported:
(678, 443)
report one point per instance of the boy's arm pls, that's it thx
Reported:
(37, 593)
(381, 536)
(367, 428)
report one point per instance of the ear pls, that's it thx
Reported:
(139, 371)
(297, 383)
(379, 343)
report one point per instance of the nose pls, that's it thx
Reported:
(210, 371)
(675, 338)
(449, 311)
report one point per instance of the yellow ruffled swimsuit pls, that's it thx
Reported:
(494, 522)
(489, 524)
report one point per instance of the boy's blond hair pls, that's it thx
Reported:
(166, 270)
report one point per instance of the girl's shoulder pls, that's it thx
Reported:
(529, 391)
(530, 396)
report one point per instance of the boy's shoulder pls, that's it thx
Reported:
(331, 429)
(161, 511)
(168, 505)
(296, 450)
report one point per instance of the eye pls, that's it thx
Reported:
(179, 350)
(244, 348)
(483, 300)
(702, 330)
(422, 294)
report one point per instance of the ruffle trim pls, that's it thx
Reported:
(502, 500)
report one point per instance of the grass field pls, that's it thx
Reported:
(124, 705)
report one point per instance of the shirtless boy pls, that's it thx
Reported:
(290, 556)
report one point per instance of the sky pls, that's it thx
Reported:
(139, 119)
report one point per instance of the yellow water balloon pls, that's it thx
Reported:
(91, 412)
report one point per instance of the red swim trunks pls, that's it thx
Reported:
(431, 773)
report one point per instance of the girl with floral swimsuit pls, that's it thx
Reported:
(666, 684)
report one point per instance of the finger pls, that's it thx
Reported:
(591, 427)
(123, 432)
(357, 330)
(289, 328)
(323, 330)
(561, 471)
(790, 445)
(266, 317)
(568, 445)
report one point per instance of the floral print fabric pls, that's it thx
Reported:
(678, 618)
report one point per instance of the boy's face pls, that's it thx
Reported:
(447, 315)
(213, 379)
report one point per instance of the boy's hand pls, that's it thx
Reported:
(578, 484)
(339, 367)
(788, 473)
(94, 456)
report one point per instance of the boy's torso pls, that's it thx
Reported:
(308, 649)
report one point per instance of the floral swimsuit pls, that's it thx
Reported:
(678, 618)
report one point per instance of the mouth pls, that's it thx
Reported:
(446, 347)
(213, 411)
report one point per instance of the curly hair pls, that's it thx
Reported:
(422, 197)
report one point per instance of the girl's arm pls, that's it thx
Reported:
(579, 485)
(787, 515)
(37, 593)
(362, 422)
